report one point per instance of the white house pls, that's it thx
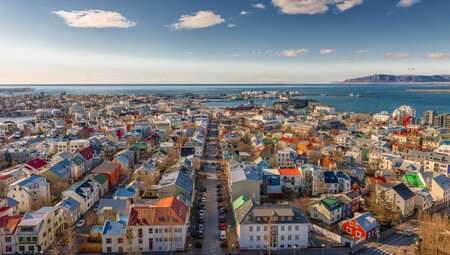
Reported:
(34, 190)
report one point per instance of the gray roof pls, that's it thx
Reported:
(119, 204)
(403, 191)
(278, 214)
(442, 182)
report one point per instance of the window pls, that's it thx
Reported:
(297, 227)
(250, 229)
(282, 228)
(258, 238)
(251, 238)
(140, 232)
(358, 234)
(349, 230)
(109, 249)
(7, 239)
(289, 228)
(150, 230)
(119, 240)
(289, 237)
(120, 249)
(282, 237)
(258, 228)
(296, 237)
(108, 240)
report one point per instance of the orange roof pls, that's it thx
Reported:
(289, 171)
(167, 211)
(287, 139)
(10, 222)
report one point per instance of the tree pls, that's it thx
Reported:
(90, 218)
(38, 204)
(302, 203)
(56, 189)
(435, 235)
(69, 239)
(383, 209)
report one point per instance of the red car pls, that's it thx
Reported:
(222, 226)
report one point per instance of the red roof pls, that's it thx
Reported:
(87, 152)
(37, 163)
(287, 139)
(289, 171)
(5, 177)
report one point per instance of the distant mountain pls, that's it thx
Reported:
(398, 79)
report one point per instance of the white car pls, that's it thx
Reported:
(203, 199)
(201, 213)
(223, 235)
(80, 223)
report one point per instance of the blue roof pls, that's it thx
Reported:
(367, 221)
(342, 175)
(60, 171)
(84, 185)
(125, 192)
(185, 182)
(70, 204)
(11, 202)
(330, 177)
(113, 228)
(30, 180)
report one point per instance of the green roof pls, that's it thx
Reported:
(100, 178)
(331, 203)
(414, 179)
(77, 160)
(139, 146)
(239, 202)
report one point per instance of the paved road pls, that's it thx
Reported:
(393, 241)
(211, 241)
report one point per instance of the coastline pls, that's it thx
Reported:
(429, 90)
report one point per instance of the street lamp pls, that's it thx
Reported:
(295, 247)
(323, 249)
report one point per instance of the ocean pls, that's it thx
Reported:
(373, 98)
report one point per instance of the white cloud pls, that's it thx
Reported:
(243, 13)
(292, 53)
(259, 6)
(407, 3)
(231, 25)
(200, 19)
(94, 19)
(362, 51)
(314, 6)
(327, 51)
(348, 4)
(394, 56)
(438, 55)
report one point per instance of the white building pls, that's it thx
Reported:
(34, 190)
(276, 226)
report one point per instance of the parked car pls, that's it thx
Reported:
(407, 233)
(80, 223)
(222, 210)
(223, 235)
(201, 220)
(222, 218)
(200, 235)
(201, 227)
(218, 186)
(201, 213)
(203, 199)
(222, 226)
(220, 199)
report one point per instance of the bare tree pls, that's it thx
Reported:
(56, 189)
(90, 218)
(69, 239)
(435, 235)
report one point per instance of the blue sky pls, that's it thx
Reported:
(220, 41)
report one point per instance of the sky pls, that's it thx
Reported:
(220, 41)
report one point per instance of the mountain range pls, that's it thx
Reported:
(398, 79)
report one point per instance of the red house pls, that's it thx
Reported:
(362, 226)
(110, 170)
